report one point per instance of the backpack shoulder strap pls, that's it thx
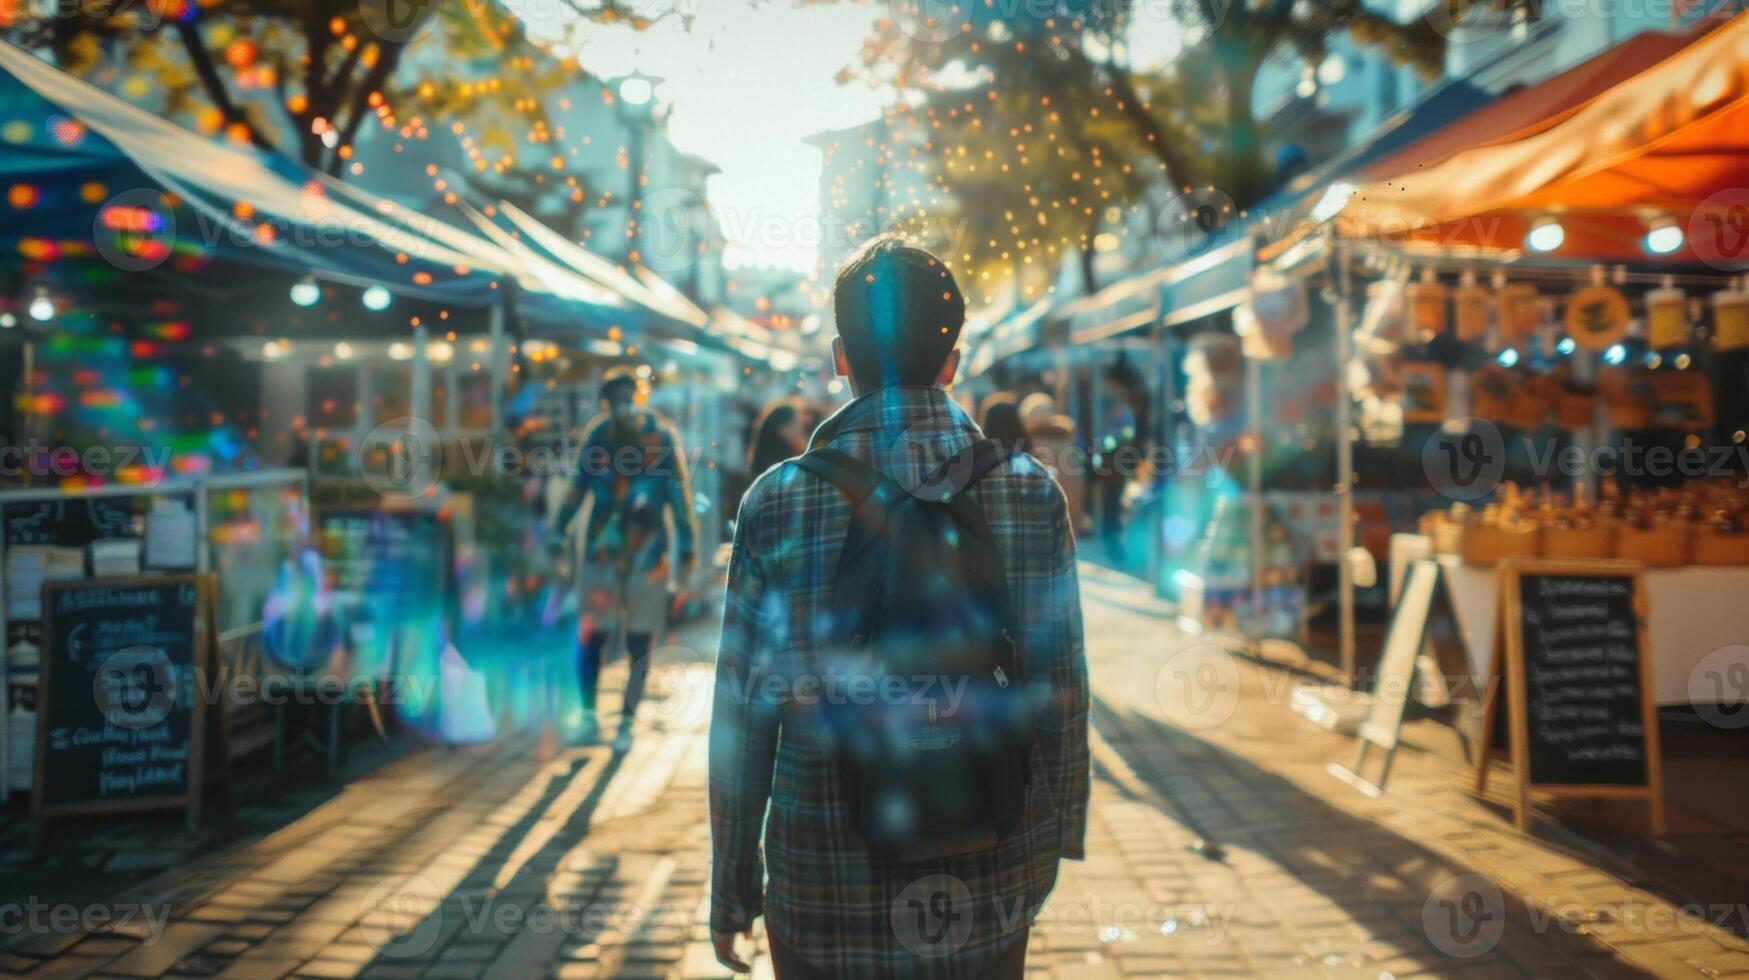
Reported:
(855, 478)
(982, 561)
(968, 466)
(868, 492)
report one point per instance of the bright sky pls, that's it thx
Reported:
(748, 82)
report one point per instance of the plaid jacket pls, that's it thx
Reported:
(825, 899)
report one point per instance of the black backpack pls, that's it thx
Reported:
(924, 695)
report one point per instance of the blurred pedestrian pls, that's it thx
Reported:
(632, 472)
(992, 798)
(1051, 440)
(779, 433)
(999, 416)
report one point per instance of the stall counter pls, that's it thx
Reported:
(1695, 610)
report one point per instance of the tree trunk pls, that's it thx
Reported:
(1248, 169)
(1089, 278)
(1159, 142)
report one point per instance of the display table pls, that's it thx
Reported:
(1695, 610)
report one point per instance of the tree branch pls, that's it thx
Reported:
(208, 73)
(388, 57)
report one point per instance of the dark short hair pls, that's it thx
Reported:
(616, 379)
(899, 313)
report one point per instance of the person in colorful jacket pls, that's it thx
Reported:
(632, 472)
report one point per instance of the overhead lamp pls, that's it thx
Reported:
(400, 351)
(1507, 357)
(376, 299)
(636, 89)
(439, 351)
(1334, 69)
(8, 321)
(305, 292)
(1545, 236)
(1615, 355)
(1335, 198)
(1566, 346)
(343, 351)
(273, 350)
(42, 309)
(1663, 237)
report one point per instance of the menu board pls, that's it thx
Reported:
(71, 522)
(1583, 698)
(1571, 660)
(120, 719)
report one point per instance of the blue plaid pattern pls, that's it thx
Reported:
(825, 899)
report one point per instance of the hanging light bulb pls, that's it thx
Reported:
(376, 299)
(305, 292)
(1545, 236)
(42, 309)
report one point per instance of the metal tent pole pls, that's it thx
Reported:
(1344, 454)
(496, 364)
(419, 382)
(1254, 486)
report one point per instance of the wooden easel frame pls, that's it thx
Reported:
(1509, 644)
(1386, 733)
(202, 656)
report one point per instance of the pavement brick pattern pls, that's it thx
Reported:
(528, 860)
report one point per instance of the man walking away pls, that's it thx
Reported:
(901, 675)
(633, 474)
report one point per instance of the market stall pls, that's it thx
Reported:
(238, 532)
(1686, 626)
(1557, 309)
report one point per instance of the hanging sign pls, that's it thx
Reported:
(1277, 310)
(1597, 317)
(1471, 303)
(1427, 314)
(1730, 320)
(1518, 312)
(1666, 318)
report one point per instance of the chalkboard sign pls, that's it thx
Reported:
(1578, 716)
(71, 522)
(120, 713)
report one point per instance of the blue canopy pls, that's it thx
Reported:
(114, 188)
(1208, 258)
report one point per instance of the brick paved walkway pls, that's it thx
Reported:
(527, 860)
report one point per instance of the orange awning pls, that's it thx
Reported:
(1531, 110)
(1669, 144)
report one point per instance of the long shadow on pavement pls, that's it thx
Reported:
(1374, 873)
